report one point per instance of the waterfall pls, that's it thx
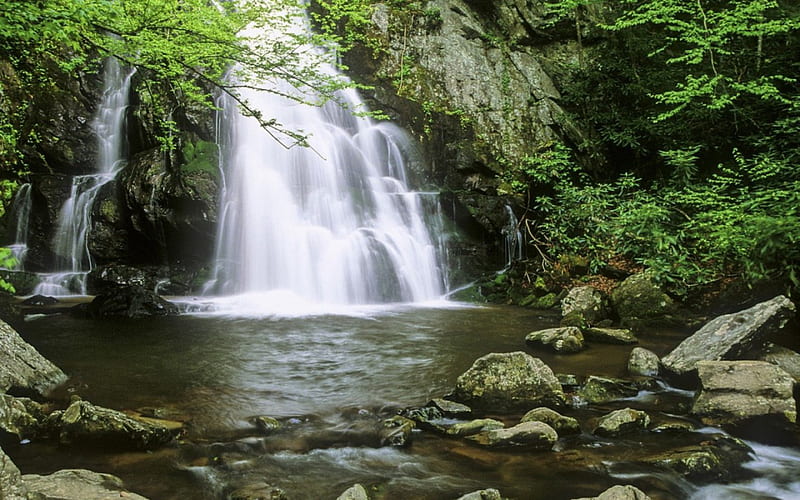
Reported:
(21, 213)
(513, 238)
(70, 241)
(333, 223)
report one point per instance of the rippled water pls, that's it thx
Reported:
(331, 379)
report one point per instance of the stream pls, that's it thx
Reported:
(331, 379)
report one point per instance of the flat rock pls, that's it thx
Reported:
(77, 484)
(474, 427)
(729, 336)
(22, 369)
(610, 335)
(507, 382)
(563, 339)
(450, 408)
(536, 435)
(735, 392)
(620, 492)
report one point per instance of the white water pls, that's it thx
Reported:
(332, 224)
(21, 213)
(70, 241)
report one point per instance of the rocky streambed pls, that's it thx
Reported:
(444, 402)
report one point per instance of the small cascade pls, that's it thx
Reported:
(21, 213)
(334, 223)
(513, 239)
(70, 242)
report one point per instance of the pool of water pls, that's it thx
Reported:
(331, 379)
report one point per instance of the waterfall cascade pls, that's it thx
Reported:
(74, 222)
(513, 238)
(335, 223)
(21, 213)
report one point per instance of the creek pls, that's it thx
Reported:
(330, 379)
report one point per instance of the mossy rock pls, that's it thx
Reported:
(200, 156)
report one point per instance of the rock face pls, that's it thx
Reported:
(736, 392)
(729, 336)
(77, 484)
(507, 382)
(130, 302)
(83, 423)
(11, 486)
(564, 340)
(588, 301)
(639, 299)
(22, 369)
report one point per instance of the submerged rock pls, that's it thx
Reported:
(131, 302)
(77, 484)
(602, 390)
(11, 485)
(610, 335)
(22, 369)
(562, 425)
(397, 431)
(507, 382)
(736, 392)
(643, 362)
(717, 459)
(563, 339)
(537, 435)
(85, 423)
(624, 421)
(620, 492)
(474, 427)
(267, 425)
(729, 336)
(450, 408)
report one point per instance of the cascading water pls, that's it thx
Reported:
(21, 213)
(334, 223)
(70, 242)
(513, 238)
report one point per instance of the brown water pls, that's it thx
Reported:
(330, 380)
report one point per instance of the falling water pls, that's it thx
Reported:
(21, 213)
(70, 242)
(513, 238)
(334, 223)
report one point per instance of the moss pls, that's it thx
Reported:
(200, 156)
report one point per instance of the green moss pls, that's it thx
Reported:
(200, 156)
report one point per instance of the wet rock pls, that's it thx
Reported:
(11, 485)
(717, 459)
(733, 393)
(729, 336)
(568, 380)
(620, 492)
(638, 299)
(565, 339)
(450, 408)
(563, 425)
(426, 417)
(23, 281)
(77, 484)
(397, 431)
(507, 382)
(536, 435)
(21, 417)
(258, 491)
(602, 390)
(488, 494)
(610, 335)
(267, 425)
(355, 492)
(643, 362)
(787, 359)
(474, 427)
(40, 300)
(22, 369)
(83, 423)
(588, 301)
(130, 302)
(624, 421)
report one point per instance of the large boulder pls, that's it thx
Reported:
(564, 339)
(507, 382)
(734, 393)
(83, 423)
(77, 484)
(639, 299)
(131, 302)
(587, 301)
(11, 485)
(22, 369)
(729, 336)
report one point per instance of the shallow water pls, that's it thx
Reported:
(331, 379)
